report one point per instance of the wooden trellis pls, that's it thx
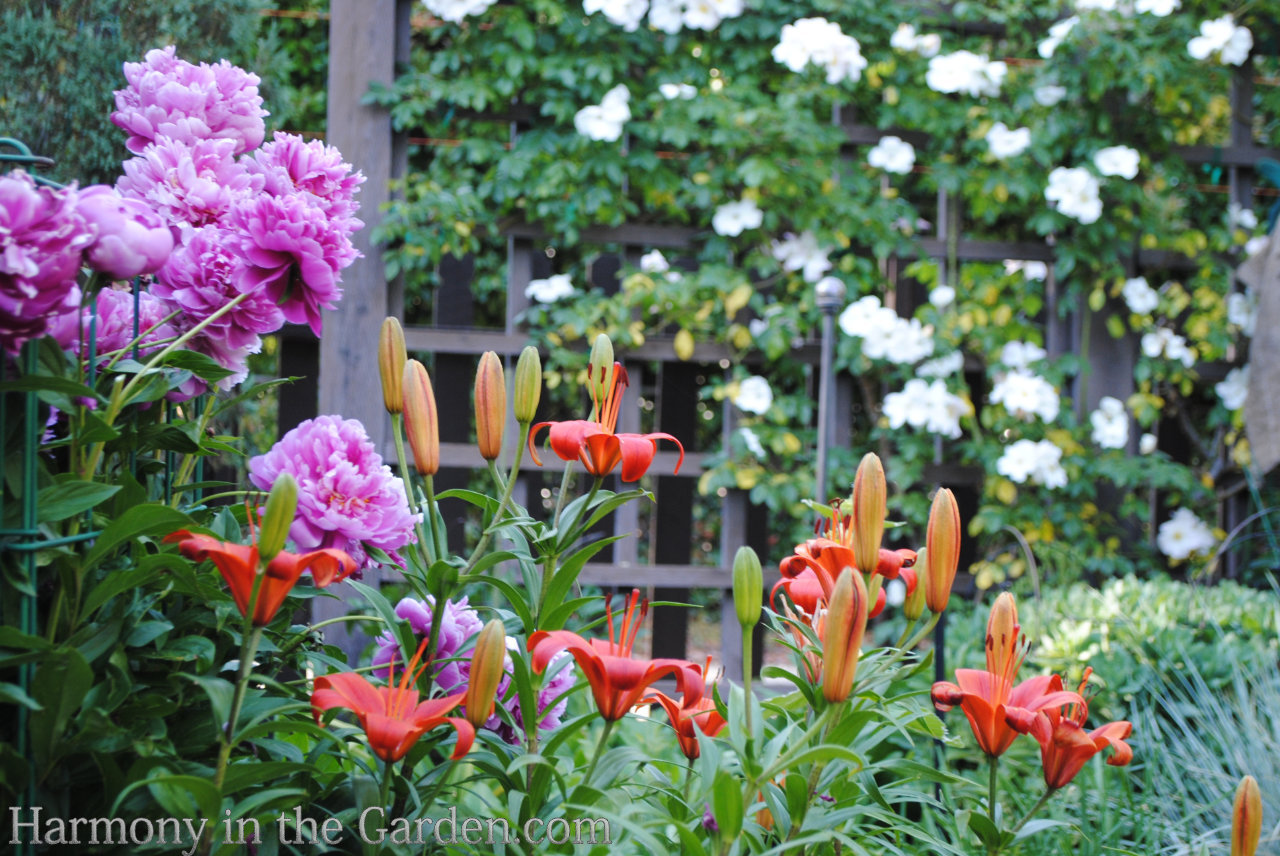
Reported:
(368, 40)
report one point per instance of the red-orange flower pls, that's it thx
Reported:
(1065, 747)
(391, 716)
(594, 442)
(618, 681)
(989, 697)
(684, 717)
(827, 557)
(239, 563)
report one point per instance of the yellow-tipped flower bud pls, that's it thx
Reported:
(491, 405)
(421, 420)
(1003, 638)
(870, 497)
(528, 388)
(391, 357)
(748, 587)
(600, 368)
(913, 606)
(846, 620)
(486, 672)
(1246, 818)
(942, 544)
(282, 504)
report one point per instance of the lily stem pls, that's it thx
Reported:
(595, 759)
(1044, 798)
(992, 784)
(507, 489)
(564, 492)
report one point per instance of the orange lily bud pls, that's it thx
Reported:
(282, 504)
(421, 420)
(1003, 635)
(391, 357)
(842, 635)
(869, 501)
(600, 368)
(528, 385)
(486, 672)
(748, 587)
(491, 405)
(1246, 818)
(913, 606)
(942, 541)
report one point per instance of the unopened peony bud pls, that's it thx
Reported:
(528, 388)
(1003, 638)
(491, 405)
(391, 359)
(748, 587)
(1246, 818)
(486, 672)
(846, 621)
(869, 501)
(421, 421)
(942, 544)
(600, 368)
(282, 504)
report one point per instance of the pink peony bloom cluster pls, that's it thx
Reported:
(131, 239)
(42, 240)
(347, 497)
(189, 184)
(170, 97)
(111, 324)
(455, 644)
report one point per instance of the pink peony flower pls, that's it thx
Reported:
(199, 279)
(113, 327)
(170, 97)
(42, 238)
(293, 252)
(189, 184)
(290, 164)
(346, 496)
(131, 238)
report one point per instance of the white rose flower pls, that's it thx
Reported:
(454, 11)
(1099, 5)
(944, 366)
(1110, 424)
(965, 72)
(604, 121)
(1140, 297)
(1184, 534)
(654, 262)
(1221, 36)
(667, 15)
(942, 296)
(1239, 217)
(859, 317)
(1034, 271)
(1163, 342)
(621, 13)
(1057, 34)
(549, 290)
(752, 442)
(1242, 311)
(905, 39)
(926, 405)
(821, 42)
(882, 339)
(1234, 389)
(1159, 8)
(1253, 246)
(1117, 160)
(754, 395)
(733, 218)
(1006, 143)
(1036, 462)
(701, 15)
(892, 154)
(1075, 192)
(1049, 94)
(1020, 355)
(1026, 396)
(802, 253)
(1147, 444)
(672, 91)
(912, 341)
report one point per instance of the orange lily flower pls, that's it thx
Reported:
(594, 442)
(827, 557)
(391, 716)
(684, 717)
(988, 698)
(239, 564)
(617, 680)
(1065, 747)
